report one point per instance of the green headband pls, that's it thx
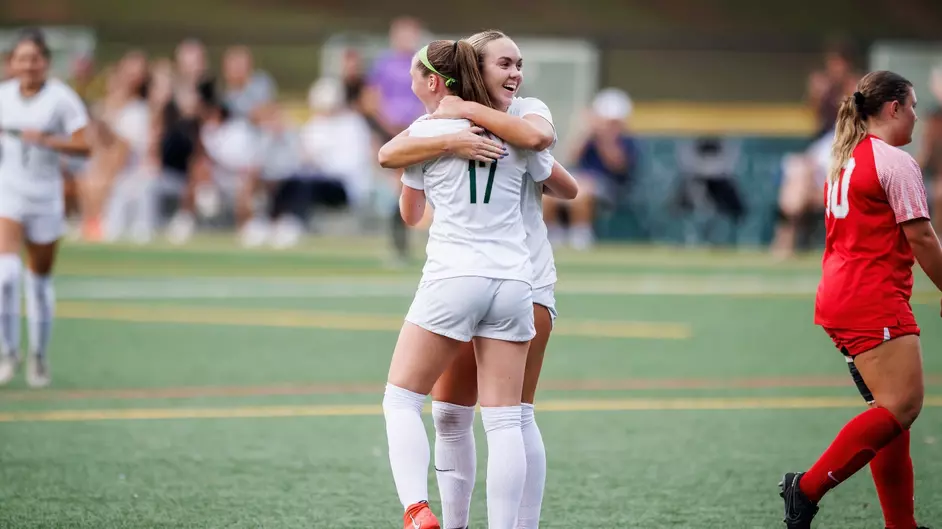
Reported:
(423, 56)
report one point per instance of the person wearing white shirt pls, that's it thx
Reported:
(337, 145)
(131, 206)
(233, 148)
(524, 123)
(40, 119)
(475, 287)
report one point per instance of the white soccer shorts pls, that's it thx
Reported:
(464, 307)
(546, 296)
(43, 223)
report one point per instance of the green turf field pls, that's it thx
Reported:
(211, 387)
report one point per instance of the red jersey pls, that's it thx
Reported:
(867, 276)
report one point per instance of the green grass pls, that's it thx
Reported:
(682, 468)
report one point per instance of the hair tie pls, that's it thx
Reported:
(423, 58)
(859, 101)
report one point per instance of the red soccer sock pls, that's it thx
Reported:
(892, 471)
(856, 444)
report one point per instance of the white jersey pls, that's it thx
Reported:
(28, 170)
(477, 227)
(132, 124)
(531, 205)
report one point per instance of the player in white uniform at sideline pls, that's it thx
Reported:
(40, 119)
(475, 286)
(523, 123)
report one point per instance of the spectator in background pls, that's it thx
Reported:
(829, 86)
(232, 158)
(605, 156)
(179, 144)
(351, 72)
(129, 206)
(282, 182)
(337, 148)
(930, 150)
(120, 134)
(390, 78)
(329, 162)
(359, 97)
(804, 174)
(192, 68)
(396, 106)
(246, 89)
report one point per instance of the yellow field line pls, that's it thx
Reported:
(334, 320)
(259, 412)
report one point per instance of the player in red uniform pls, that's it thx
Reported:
(877, 226)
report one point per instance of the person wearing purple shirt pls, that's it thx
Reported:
(398, 106)
(394, 106)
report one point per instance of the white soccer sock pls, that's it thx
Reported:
(455, 461)
(529, 515)
(408, 443)
(506, 465)
(40, 311)
(11, 271)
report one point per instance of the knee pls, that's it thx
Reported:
(452, 422)
(905, 406)
(397, 399)
(10, 266)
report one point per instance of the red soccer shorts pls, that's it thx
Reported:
(854, 342)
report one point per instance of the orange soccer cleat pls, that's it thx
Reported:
(419, 516)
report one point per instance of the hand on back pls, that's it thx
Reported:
(471, 145)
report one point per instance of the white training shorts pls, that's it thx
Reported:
(464, 307)
(43, 222)
(546, 296)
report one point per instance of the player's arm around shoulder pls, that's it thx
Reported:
(534, 131)
(405, 150)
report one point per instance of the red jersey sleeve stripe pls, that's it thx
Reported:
(901, 179)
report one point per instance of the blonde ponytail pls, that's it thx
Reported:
(456, 63)
(849, 130)
(873, 91)
(471, 85)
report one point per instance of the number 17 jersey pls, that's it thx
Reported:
(867, 277)
(477, 226)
